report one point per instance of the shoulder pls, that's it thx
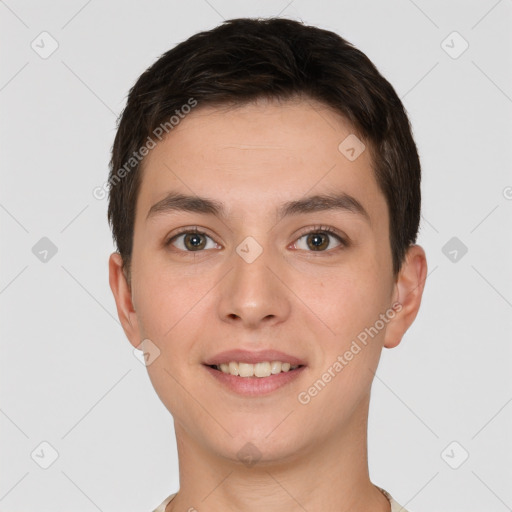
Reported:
(161, 507)
(395, 506)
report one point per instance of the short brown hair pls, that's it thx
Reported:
(245, 59)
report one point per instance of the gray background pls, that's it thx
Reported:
(69, 376)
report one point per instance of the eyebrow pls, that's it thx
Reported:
(321, 202)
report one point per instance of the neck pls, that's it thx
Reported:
(331, 475)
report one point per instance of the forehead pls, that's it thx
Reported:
(257, 155)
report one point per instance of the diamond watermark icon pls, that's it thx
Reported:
(454, 249)
(249, 454)
(44, 250)
(44, 45)
(351, 147)
(454, 45)
(249, 249)
(146, 352)
(455, 455)
(44, 455)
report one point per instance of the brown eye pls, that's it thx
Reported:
(194, 241)
(191, 241)
(319, 240)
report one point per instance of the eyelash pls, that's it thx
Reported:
(315, 229)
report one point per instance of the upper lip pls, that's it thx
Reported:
(246, 356)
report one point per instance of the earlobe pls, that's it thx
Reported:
(408, 292)
(122, 295)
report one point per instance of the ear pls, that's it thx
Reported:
(123, 297)
(407, 294)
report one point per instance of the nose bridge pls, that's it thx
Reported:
(252, 293)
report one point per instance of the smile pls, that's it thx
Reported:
(249, 384)
(262, 369)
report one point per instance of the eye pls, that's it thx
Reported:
(317, 239)
(191, 240)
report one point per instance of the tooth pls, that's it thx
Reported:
(233, 368)
(275, 367)
(246, 369)
(262, 369)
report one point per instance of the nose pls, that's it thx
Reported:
(252, 295)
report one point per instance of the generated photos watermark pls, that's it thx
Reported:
(100, 192)
(361, 341)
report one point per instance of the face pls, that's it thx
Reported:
(306, 282)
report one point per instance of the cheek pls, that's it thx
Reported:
(346, 299)
(170, 307)
(349, 304)
(161, 291)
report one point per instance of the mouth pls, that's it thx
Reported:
(254, 380)
(254, 373)
(257, 370)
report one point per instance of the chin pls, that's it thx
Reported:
(253, 447)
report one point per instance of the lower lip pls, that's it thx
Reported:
(255, 386)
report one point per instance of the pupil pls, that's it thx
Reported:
(317, 240)
(194, 240)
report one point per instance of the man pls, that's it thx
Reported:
(265, 202)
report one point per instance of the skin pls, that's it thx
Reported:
(307, 303)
